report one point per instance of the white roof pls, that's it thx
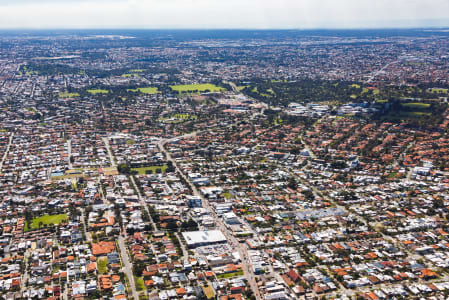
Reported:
(203, 237)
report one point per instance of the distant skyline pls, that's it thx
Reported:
(229, 14)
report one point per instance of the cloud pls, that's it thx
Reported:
(22, 2)
(221, 13)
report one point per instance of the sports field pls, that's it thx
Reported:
(98, 91)
(145, 90)
(68, 95)
(197, 88)
(142, 170)
(416, 105)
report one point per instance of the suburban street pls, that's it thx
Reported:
(7, 151)
(108, 148)
(127, 268)
(69, 153)
(142, 202)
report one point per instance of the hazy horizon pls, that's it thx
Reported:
(231, 14)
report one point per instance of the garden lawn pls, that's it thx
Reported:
(102, 265)
(140, 285)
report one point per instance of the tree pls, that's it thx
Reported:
(138, 268)
(189, 225)
(172, 226)
(292, 183)
(438, 203)
(28, 217)
(124, 168)
(170, 167)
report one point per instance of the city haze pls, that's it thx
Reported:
(205, 14)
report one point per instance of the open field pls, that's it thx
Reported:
(142, 170)
(28, 71)
(46, 220)
(184, 116)
(409, 115)
(228, 275)
(416, 105)
(268, 94)
(97, 91)
(278, 121)
(129, 75)
(110, 171)
(178, 118)
(364, 89)
(68, 176)
(145, 90)
(74, 173)
(418, 113)
(439, 90)
(196, 88)
(227, 195)
(68, 95)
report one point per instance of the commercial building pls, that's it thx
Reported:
(201, 238)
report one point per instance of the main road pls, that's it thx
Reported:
(380, 71)
(243, 252)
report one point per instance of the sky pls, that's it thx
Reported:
(211, 14)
